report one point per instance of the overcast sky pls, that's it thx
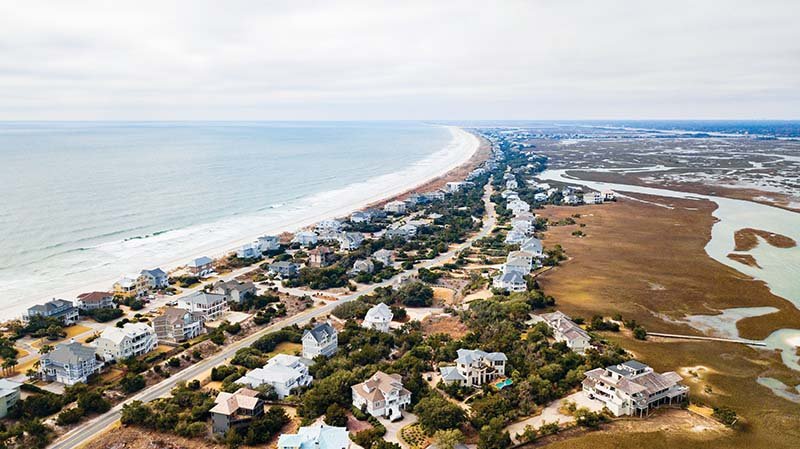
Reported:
(287, 60)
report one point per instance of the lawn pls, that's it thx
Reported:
(287, 348)
(72, 332)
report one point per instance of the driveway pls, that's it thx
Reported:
(551, 414)
(393, 428)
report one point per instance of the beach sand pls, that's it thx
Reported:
(453, 162)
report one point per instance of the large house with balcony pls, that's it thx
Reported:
(564, 329)
(233, 410)
(283, 372)
(317, 436)
(633, 388)
(321, 340)
(210, 305)
(382, 395)
(9, 395)
(69, 363)
(96, 300)
(378, 317)
(61, 309)
(153, 279)
(130, 340)
(178, 325)
(474, 368)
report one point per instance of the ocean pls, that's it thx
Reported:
(84, 203)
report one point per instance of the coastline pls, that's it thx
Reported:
(458, 157)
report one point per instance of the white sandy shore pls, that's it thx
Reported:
(175, 248)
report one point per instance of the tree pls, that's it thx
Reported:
(93, 402)
(437, 413)
(639, 333)
(726, 415)
(336, 415)
(70, 416)
(135, 413)
(493, 435)
(448, 439)
(132, 383)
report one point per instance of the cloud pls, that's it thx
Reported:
(398, 60)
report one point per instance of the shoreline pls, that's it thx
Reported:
(460, 155)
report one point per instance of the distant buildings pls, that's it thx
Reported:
(382, 395)
(321, 340)
(318, 436)
(474, 368)
(378, 317)
(96, 300)
(592, 198)
(320, 256)
(453, 187)
(326, 226)
(154, 279)
(395, 207)
(283, 372)
(284, 269)
(633, 388)
(178, 325)
(362, 266)
(202, 266)
(69, 363)
(235, 291)
(232, 410)
(384, 256)
(127, 286)
(209, 305)
(131, 340)
(349, 241)
(305, 238)
(9, 395)
(60, 309)
(564, 329)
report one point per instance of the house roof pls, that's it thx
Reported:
(450, 373)
(94, 297)
(469, 356)
(200, 261)
(70, 353)
(279, 369)
(204, 298)
(230, 403)
(233, 284)
(321, 331)
(155, 272)
(132, 330)
(51, 306)
(174, 315)
(317, 436)
(379, 312)
(511, 277)
(380, 385)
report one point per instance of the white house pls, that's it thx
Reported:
(305, 238)
(540, 197)
(570, 200)
(209, 305)
(453, 187)
(249, 251)
(283, 372)
(269, 243)
(362, 266)
(519, 261)
(533, 246)
(378, 317)
(592, 198)
(633, 388)
(130, 340)
(515, 236)
(69, 363)
(384, 256)
(328, 226)
(519, 206)
(317, 436)
(349, 241)
(360, 217)
(511, 281)
(127, 285)
(608, 195)
(153, 279)
(321, 340)
(564, 329)
(395, 207)
(382, 395)
(474, 368)
(9, 395)
(511, 184)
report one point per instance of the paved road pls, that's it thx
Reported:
(92, 428)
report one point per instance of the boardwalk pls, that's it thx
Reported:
(697, 337)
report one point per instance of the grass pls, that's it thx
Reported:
(72, 332)
(286, 348)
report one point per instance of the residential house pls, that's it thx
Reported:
(360, 217)
(283, 372)
(633, 388)
(518, 206)
(127, 286)
(249, 251)
(328, 226)
(235, 291)
(269, 243)
(96, 300)
(210, 305)
(202, 266)
(570, 200)
(317, 436)
(515, 236)
(474, 368)
(436, 195)
(178, 325)
(305, 238)
(592, 198)
(382, 395)
(321, 340)
(540, 197)
(378, 317)
(349, 241)
(416, 198)
(405, 232)
(131, 340)
(608, 195)
(320, 256)
(564, 329)
(453, 187)
(509, 193)
(384, 256)
(533, 246)
(519, 261)
(284, 269)
(362, 266)
(510, 280)
(154, 279)
(69, 363)
(61, 309)
(233, 410)
(9, 395)
(395, 207)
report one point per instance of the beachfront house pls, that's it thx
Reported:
(320, 257)
(96, 300)
(320, 340)
(284, 269)
(131, 340)
(592, 198)
(177, 325)
(326, 226)
(633, 388)
(564, 329)
(269, 243)
(305, 238)
(9, 395)
(284, 373)
(202, 266)
(362, 266)
(360, 217)
(511, 281)
(317, 436)
(127, 286)
(234, 410)
(395, 207)
(384, 256)
(378, 317)
(453, 187)
(474, 368)
(60, 309)
(349, 241)
(235, 291)
(210, 305)
(249, 251)
(435, 195)
(154, 279)
(69, 363)
(382, 395)
(608, 195)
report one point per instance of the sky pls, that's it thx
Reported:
(409, 60)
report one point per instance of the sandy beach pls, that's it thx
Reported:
(174, 249)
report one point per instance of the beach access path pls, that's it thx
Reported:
(95, 427)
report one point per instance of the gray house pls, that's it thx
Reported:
(235, 291)
(58, 308)
(284, 269)
(178, 325)
(321, 340)
(153, 279)
(232, 410)
(69, 363)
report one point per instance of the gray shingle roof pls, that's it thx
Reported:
(70, 353)
(320, 331)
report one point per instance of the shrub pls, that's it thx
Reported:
(70, 416)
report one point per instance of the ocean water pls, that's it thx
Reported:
(81, 202)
